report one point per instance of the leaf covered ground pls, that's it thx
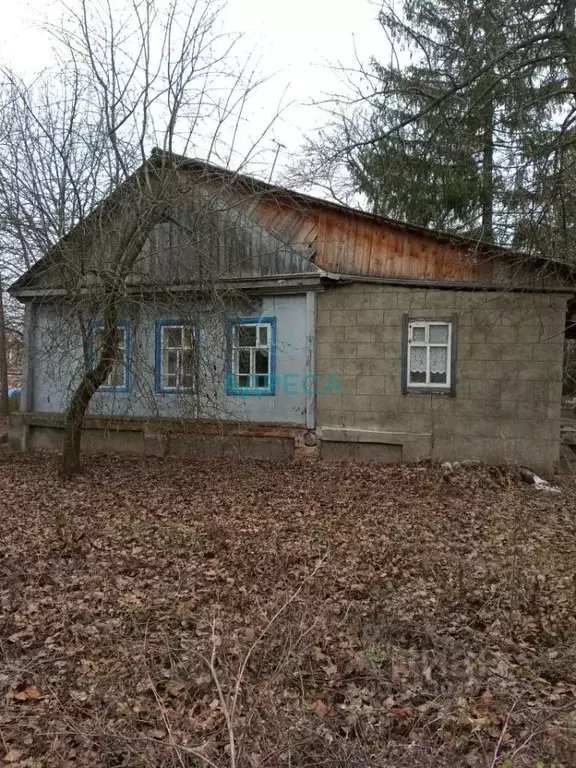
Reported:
(230, 613)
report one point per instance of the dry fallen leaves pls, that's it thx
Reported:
(440, 630)
(319, 707)
(26, 693)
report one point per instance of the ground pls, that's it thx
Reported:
(232, 613)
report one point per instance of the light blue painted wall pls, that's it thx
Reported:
(57, 355)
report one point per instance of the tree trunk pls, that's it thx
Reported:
(569, 41)
(487, 84)
(150, 211)
(4, 402)
(488, 170)
(91, 380)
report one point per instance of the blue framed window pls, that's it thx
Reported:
(118, 380)
(251, 356)
(176, 356)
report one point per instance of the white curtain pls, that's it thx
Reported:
(438, 359)
(418, 359)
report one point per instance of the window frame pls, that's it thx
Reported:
(159, 328)
(125, 326)
(433, 388)
(231, 387)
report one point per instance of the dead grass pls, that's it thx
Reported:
(178, 613)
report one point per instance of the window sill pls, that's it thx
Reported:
(429, 391)
(250, 392)
(175, 391)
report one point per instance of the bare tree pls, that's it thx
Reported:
(77, 181)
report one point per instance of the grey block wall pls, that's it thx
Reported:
(508, 374)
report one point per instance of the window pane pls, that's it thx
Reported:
(170, 362)
(172, 336)
(188, 338)
(263, 335)
(244, 382)
(438, 365)
(417, 377)
(418, 359)
(246, 335)
(188, 362)
(120, 343)
(262, 382)
(244, 361)
(438, 334)
(188, 380)
(417, 365)
(116, 378)
(170, 381)
(418, 334)
(262, 361)
(438, 359)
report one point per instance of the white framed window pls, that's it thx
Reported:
(428, 355)
(118, 380)
(252, 350)
(175, 356)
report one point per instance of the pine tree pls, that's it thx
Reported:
(470, 127)
(450, 117)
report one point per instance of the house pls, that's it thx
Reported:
(257, 320)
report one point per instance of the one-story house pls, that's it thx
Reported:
(259, 320)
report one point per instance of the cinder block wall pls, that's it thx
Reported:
(508, 375)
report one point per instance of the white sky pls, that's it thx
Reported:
(298, 40)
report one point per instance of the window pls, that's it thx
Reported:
(252, 353)
(428, 355)
(118, 380)
(176, 349)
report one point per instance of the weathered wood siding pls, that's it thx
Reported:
(362, 247)
(346, 242)
(221, 226)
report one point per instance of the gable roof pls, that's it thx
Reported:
(304, 200)
(273, 230)
(207, 229)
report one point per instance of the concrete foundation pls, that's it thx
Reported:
(158, 437)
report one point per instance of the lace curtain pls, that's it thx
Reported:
(418, 360)
(438, 359)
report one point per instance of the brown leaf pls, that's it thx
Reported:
(13, 755)
(319, 707)
(175, 689)
(28, 693)
(401, 712)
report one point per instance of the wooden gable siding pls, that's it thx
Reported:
(207, 234)
(213, 231)
(357, 246)
(296, 225)
(225, 247)
(348, 243)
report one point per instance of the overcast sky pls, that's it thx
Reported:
(298, 40)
